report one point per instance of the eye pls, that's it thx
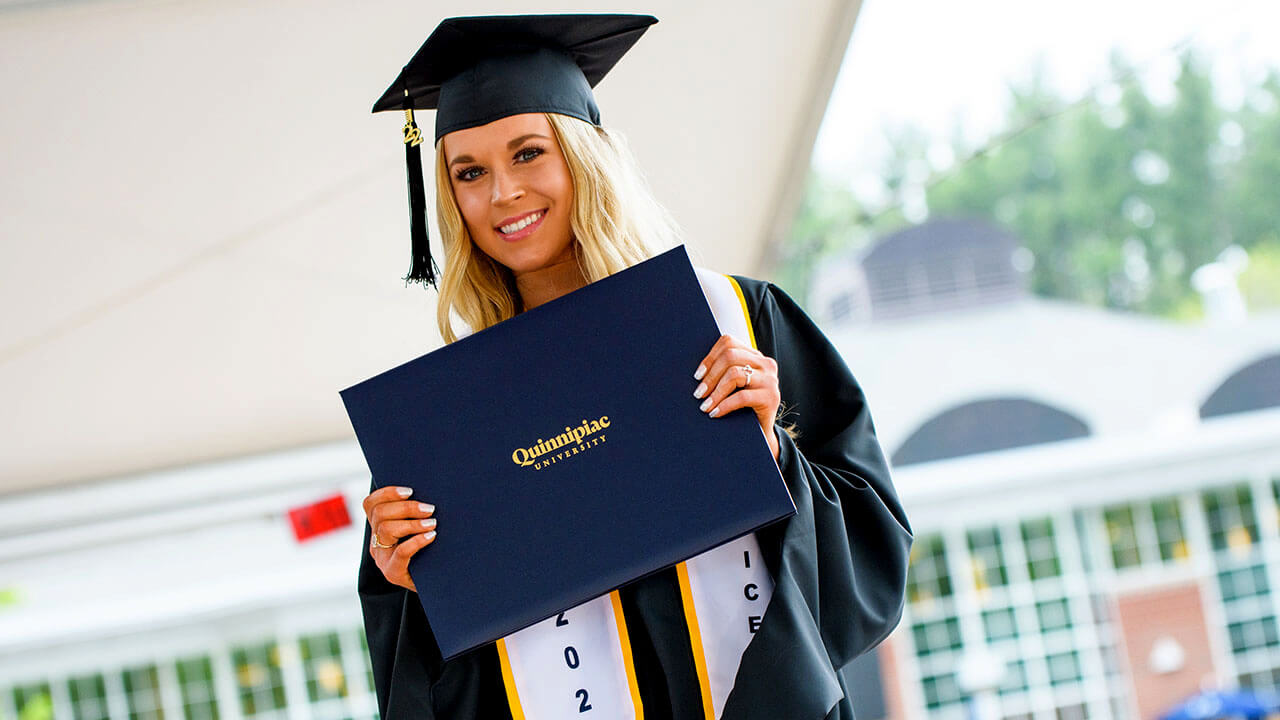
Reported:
(529, 153)
(468, 174)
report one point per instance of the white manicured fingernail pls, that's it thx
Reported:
(429, 523)
(404, 492)
(426, 507)
(705, 404)
(702, 370)
(431, 535)
(700, 390)
(715, 412)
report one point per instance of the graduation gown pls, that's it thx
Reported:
(839, 567)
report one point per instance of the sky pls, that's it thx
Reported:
(942, 64)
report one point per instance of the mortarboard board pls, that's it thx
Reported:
(474, 70)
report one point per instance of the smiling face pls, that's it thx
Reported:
(514, 190)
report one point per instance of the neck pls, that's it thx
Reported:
(543, 285)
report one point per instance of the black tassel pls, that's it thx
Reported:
(423, 268)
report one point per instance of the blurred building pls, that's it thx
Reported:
(188, 593)
(1094, 494)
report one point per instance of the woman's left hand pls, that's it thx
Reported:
(737, 376)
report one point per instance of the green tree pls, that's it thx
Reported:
(829, 220)
(1119, 198)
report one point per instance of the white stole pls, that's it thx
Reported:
(579, 662)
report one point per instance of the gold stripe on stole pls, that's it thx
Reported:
(686, 591)
(509, 681)
(695, 639)
(625, 640)
(751, 332)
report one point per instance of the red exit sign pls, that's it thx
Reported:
(319, 517)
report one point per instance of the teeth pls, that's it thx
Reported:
(520, 224)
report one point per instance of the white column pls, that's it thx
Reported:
(117, 706)
(7, 708)
(1084, 629)
(980, 682)
(60, 697)
(224, 683)
(1211, 596)
(362, 701)
(170, 691)
(1144, 527)
(1024, 607)
(1264, 504)
(1099, 552)
(297, 703)
(909, 665)
(963, 594)
(1104, 583)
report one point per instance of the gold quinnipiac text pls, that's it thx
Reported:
(572, 441)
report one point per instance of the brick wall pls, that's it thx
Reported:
(891, 677)
(1145, 617)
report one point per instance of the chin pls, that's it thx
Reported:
(520, 263)
(528, 258)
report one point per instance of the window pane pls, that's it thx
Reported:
(1253, 634)
(1230, 517)
(258, 676)
(988, 559)
(1053, 615)
(33, 702)
(1015, 678)
(322, 663)
(142, 693)
(940, 690)
(937, 636)
(1072, 712)
(1042, 554)
(927, 578)
(1122, 536)
(1248, 581)
(1169, 531)
(1064, 667)
(1263, 679)
(199, 698)
(999, 624)
(88, 697)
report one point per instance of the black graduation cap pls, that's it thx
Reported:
(474, 70)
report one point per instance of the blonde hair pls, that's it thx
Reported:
(615, 221)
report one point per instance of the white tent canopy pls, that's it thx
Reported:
(203, 227)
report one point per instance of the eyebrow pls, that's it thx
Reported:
(510, 146)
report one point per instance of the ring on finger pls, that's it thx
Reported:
(747, 370)
(374, 542)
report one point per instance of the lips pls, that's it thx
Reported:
(519, 222)
(519, 226)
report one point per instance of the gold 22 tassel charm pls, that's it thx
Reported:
(422, 269)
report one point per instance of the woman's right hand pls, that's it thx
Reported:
(406, 526)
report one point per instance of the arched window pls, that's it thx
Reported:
(986, 425)
(1253, 387)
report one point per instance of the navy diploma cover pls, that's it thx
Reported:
(565, 453)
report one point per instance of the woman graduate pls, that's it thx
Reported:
(535, 199)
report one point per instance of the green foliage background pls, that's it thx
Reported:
(1118, 197)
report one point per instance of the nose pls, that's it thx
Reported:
(506, 188)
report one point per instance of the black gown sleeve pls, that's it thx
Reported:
(389, 614)
(411, 679)
(840, 562)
